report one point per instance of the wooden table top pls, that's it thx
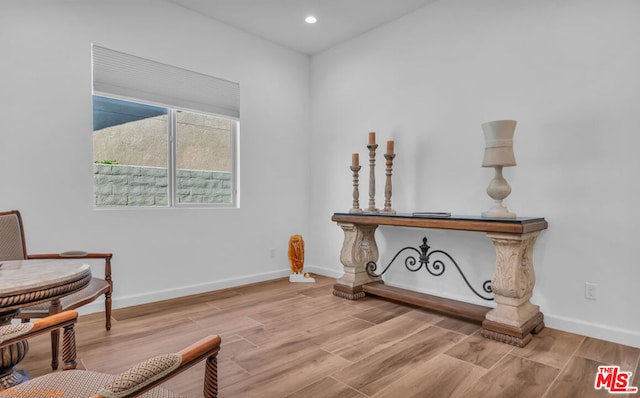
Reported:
(518, 225)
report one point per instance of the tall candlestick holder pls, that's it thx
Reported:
(356, 194)
(387, 187)
(372, 178)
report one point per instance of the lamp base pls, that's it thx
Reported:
(498, 189)
(498, 211)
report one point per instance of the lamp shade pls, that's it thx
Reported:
(498, 136)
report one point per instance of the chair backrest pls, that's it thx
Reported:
(12, 246)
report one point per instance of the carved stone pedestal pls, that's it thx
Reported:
(359, 247)
(514, 317)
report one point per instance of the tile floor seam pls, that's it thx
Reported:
(360, 319)
(486, 370)
(562, 367)
(346, 385)
(339, 356)
(547, 391)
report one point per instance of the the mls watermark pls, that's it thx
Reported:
(614, 380)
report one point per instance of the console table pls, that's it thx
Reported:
(514, 318)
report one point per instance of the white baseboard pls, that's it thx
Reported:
(332, 273)
(159, 295)
(595, 330)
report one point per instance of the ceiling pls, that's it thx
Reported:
(282, 21)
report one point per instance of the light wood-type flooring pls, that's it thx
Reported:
(281, 339)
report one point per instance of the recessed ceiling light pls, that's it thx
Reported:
(310, 19)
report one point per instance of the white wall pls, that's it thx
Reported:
(45, 97)
(567, 71)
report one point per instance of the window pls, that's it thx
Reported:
(162, 136)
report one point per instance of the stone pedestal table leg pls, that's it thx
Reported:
(359, 247)
(514, 318)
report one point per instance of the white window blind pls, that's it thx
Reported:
(130, 76)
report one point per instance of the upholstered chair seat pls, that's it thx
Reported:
(78, 383)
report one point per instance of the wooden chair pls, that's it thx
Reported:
(13, 247)
(141, 380)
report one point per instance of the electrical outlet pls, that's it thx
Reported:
(272, 253)
(590, 291)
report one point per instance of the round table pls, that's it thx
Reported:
(28, 282)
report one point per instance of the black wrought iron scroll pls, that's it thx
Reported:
(436, 268)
